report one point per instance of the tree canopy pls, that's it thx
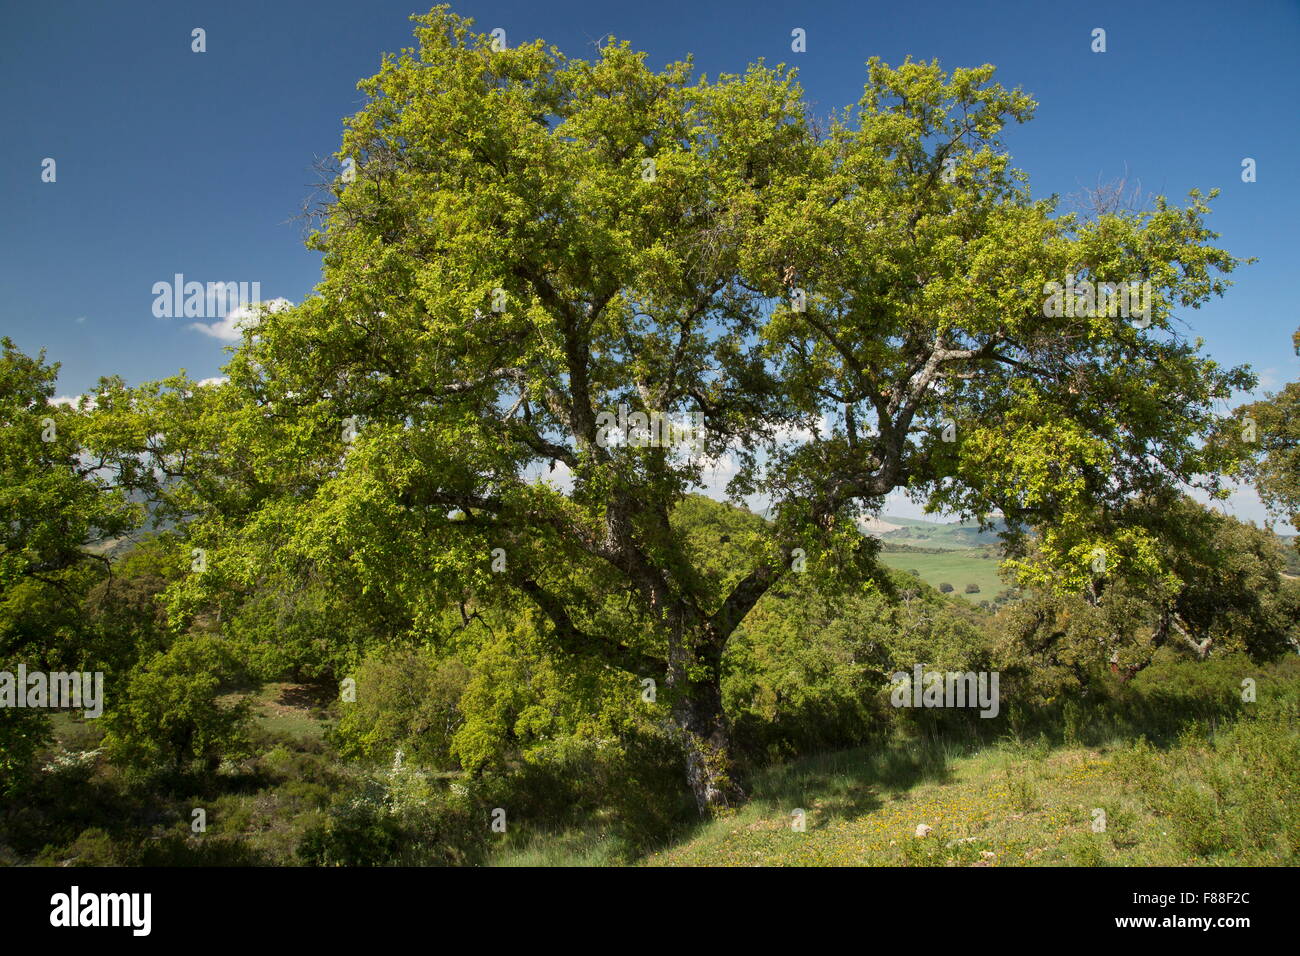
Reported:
(854, 305)
(1272, 427)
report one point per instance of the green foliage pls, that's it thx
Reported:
(808, 670)
(124, 610)
(1023, 793)
(1270, 430)
(291, 630)
(629, 788)
(1220, 593)
(51, 504)
(55, 510)
(171, 715)
(520, 696)
(22, 735)
(407, 700)
(1233, 794)
(397, 817)
(93, 847)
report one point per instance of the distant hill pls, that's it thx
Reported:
(957, 553)
(916, 533)
(116, 548)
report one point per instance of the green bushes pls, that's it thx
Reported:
(22, 735)
(398, 817)
(93, 847)
(171, 717)
(1173, 693)
(407, 816)
(630, 789)
(406, 699)
(808, 672)
(1232, 795)
(1094, 705)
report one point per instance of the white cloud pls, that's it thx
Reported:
(230, 327)
(797, 434)
(559, 477)
(717, 472)
(85, 402)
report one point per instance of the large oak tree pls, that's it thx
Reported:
(521, 243)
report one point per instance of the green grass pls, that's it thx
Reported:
(1001, 806)
(1021, 805)
(290, 712)
(958, 568)
(74, 732)
(572, 848)
(1228, 796)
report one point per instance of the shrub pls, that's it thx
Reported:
(1235, 792)
(93, 847)
(22, 735)
(171, 716)
(398, 817)
(405, 699)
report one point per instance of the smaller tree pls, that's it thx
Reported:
(406, 699)
(123, 613)
(1272, 427)
(53, 503)
(1211, 585)
(171, 716)
(53, 508)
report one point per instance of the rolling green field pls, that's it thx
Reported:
(955, 552)
(958, 568)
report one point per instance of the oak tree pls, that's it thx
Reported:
(525, 242)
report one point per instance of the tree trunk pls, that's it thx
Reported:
(706, 739)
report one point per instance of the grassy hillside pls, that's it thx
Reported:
(956, 553)
(1014, 804)
(953, 535)
(969, 554)
(1223, 792)
(957, 568)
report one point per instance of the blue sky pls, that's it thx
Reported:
(170, 161)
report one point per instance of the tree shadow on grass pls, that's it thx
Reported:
(851, 783)
(314, 698)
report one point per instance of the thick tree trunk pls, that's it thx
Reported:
(706, 739)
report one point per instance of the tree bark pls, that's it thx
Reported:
(711, 770)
